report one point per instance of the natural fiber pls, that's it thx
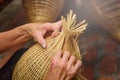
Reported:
(107, 14)
(42, 10)
(34, 64)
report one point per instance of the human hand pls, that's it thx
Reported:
(63, 66)
(38, 31)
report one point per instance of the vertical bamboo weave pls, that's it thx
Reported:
(42, 10)
(34, 63)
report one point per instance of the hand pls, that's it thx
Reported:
(63, 67)
(38, 31)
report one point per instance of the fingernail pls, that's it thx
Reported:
(58, 33)
(55, 34)
(35, 40)
(44, 45)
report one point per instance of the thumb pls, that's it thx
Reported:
(56, 28)
(55, 33)
(41, 40)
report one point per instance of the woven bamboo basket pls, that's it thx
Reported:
(107, 14)
(42, 10)
(34, 63)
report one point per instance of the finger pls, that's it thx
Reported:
(48, 26)
(77, 66)
(55, 33)
(65, 56)
(71, 62)
(53, 26)
(59, 23)
(56, 59)
(63, 75)
(74, 70)
(40, 39)
(69, 77)
(58, 55)
(56, 28)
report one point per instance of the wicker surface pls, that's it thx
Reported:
(35, 63)
(42, 10)
(107, 14)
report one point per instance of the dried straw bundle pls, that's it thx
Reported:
(34, 63)
(42, 10)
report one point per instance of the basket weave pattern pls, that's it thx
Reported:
(34, 63)
(42, 10)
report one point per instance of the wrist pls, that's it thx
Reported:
(24, 30)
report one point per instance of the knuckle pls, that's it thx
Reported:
(73, 57)
(70, 74)
(57, 27)
(63, 65)
(79, 62)
(54, 61)
(67, 53)
(74, 72)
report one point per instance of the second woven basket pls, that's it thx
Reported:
(42, 10)
(107, 15)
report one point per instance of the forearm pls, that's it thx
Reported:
(13, 39)
(16, 38)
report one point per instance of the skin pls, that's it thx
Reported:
(16, 38)
(63, 66)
